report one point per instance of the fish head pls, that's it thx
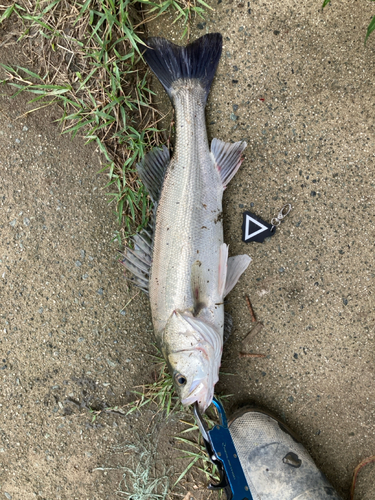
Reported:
(193, 349)
(192, 378)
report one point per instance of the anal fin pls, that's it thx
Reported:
(228, 158)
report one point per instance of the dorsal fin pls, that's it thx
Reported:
(138, 261)
(152, 169)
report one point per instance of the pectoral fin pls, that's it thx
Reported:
(198, 287)
(223, 260)
(236, 266)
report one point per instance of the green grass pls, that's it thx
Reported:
(140, 480)
(160, 395)
(90, 65)
(194, 450)
(88, 53)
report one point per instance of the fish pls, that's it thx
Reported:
(181, 259)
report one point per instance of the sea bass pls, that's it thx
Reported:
(182, 260)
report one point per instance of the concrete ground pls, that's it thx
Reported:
(297, 84)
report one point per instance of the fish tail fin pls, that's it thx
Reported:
(198, 60)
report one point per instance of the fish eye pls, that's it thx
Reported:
(180, 379)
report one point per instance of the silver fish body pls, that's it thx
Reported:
(188, 225)
(190, 273)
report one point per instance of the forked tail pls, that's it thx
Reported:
(198, 60)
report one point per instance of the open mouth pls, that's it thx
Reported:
(194, 394)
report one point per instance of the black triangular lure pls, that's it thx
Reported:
(255, 229)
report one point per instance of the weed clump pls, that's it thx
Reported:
(86, 58)
(140, 480)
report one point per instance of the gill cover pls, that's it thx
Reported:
(193, 350)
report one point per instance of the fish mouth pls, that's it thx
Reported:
(193, 395)
(200, 395)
